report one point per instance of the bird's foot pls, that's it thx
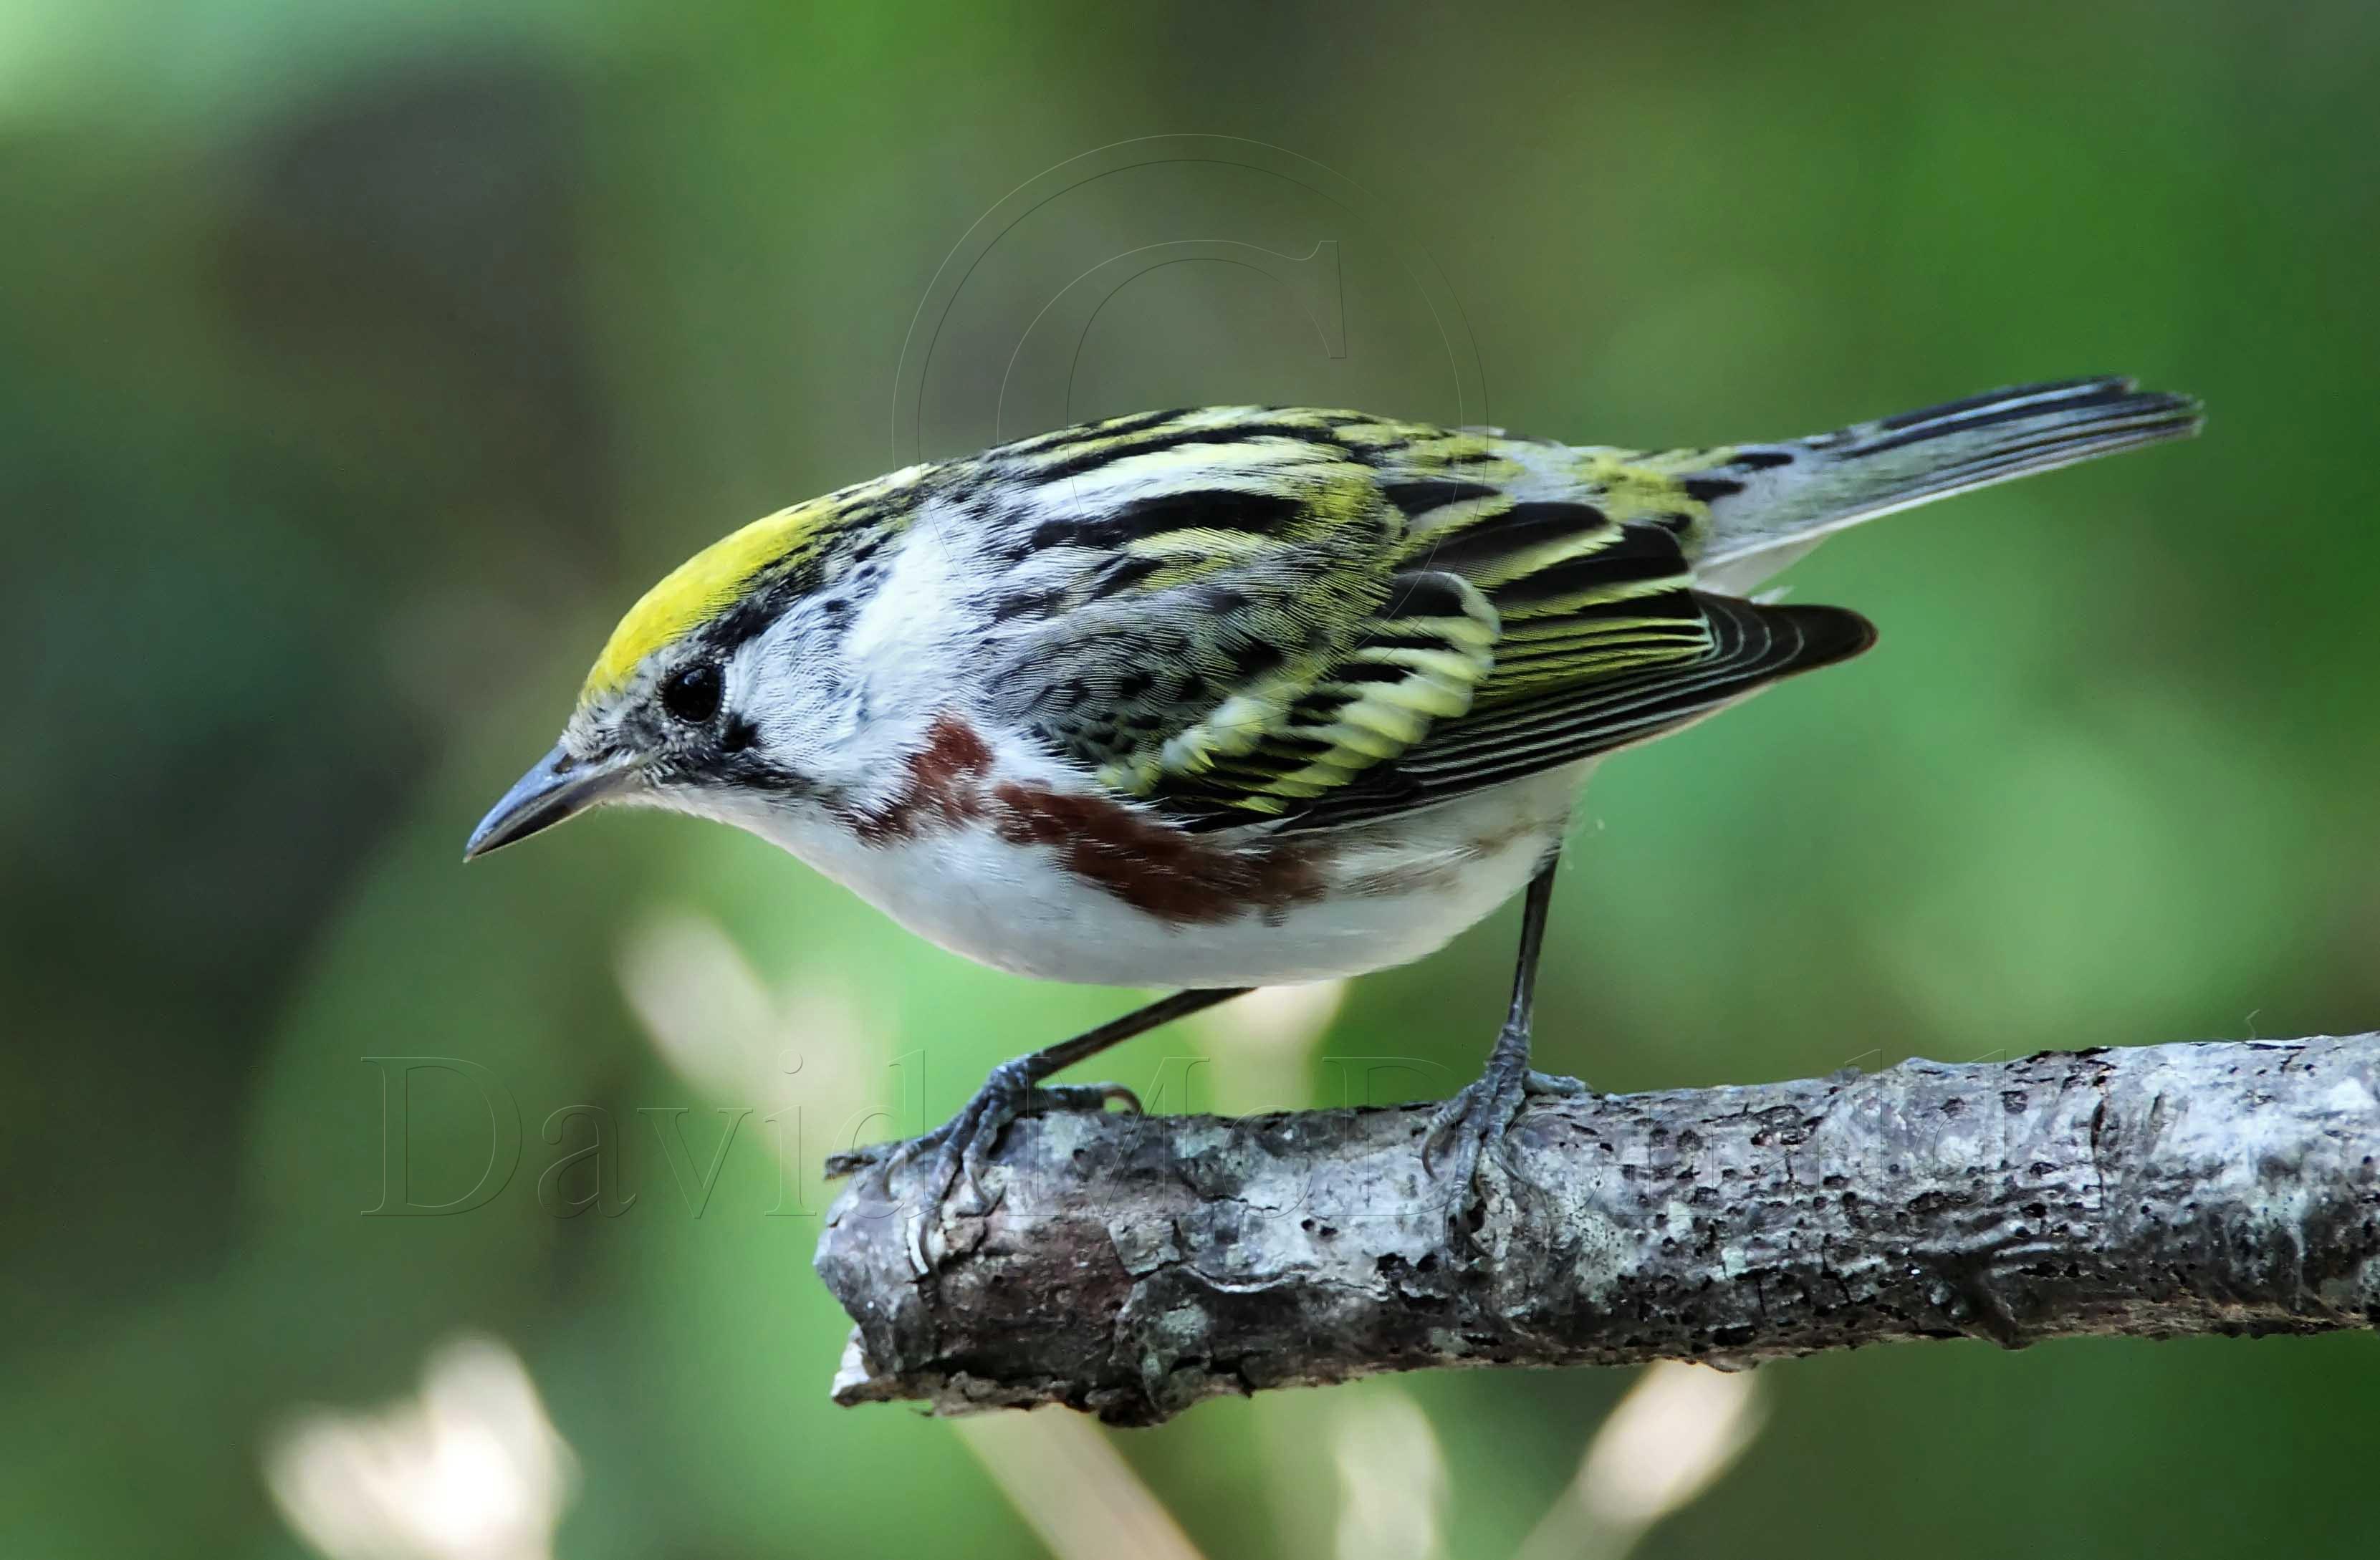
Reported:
(1473, 1122)
(963, 1145)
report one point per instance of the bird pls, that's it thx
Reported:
(1235, 697)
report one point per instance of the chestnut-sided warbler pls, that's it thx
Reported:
(1241, 695)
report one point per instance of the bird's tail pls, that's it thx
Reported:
(1792, 495)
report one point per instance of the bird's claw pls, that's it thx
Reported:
(1474, 1122)
(962, 1146)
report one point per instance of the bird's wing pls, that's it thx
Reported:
(1312, 619)
(1214, 611)
(1565, 718)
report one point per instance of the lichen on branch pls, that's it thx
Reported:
(1131, 1267)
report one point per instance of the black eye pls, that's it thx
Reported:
(692, 693)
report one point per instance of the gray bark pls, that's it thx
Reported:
(1131, 1267)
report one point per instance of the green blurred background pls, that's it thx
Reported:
(362, 361)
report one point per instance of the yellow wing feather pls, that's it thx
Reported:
(1402, 576)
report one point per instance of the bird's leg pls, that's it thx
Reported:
(1475, 1120)
(961, 1145)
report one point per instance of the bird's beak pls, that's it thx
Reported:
(560, 787)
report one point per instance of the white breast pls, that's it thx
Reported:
(1380, 896)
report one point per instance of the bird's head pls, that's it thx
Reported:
(725, 690)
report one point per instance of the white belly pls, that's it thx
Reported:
(1389, 894)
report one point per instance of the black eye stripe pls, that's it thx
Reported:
(692, 694)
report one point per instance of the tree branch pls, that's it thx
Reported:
(1133, 1266)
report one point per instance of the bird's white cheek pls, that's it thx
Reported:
(788, 696)
(831, 738)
